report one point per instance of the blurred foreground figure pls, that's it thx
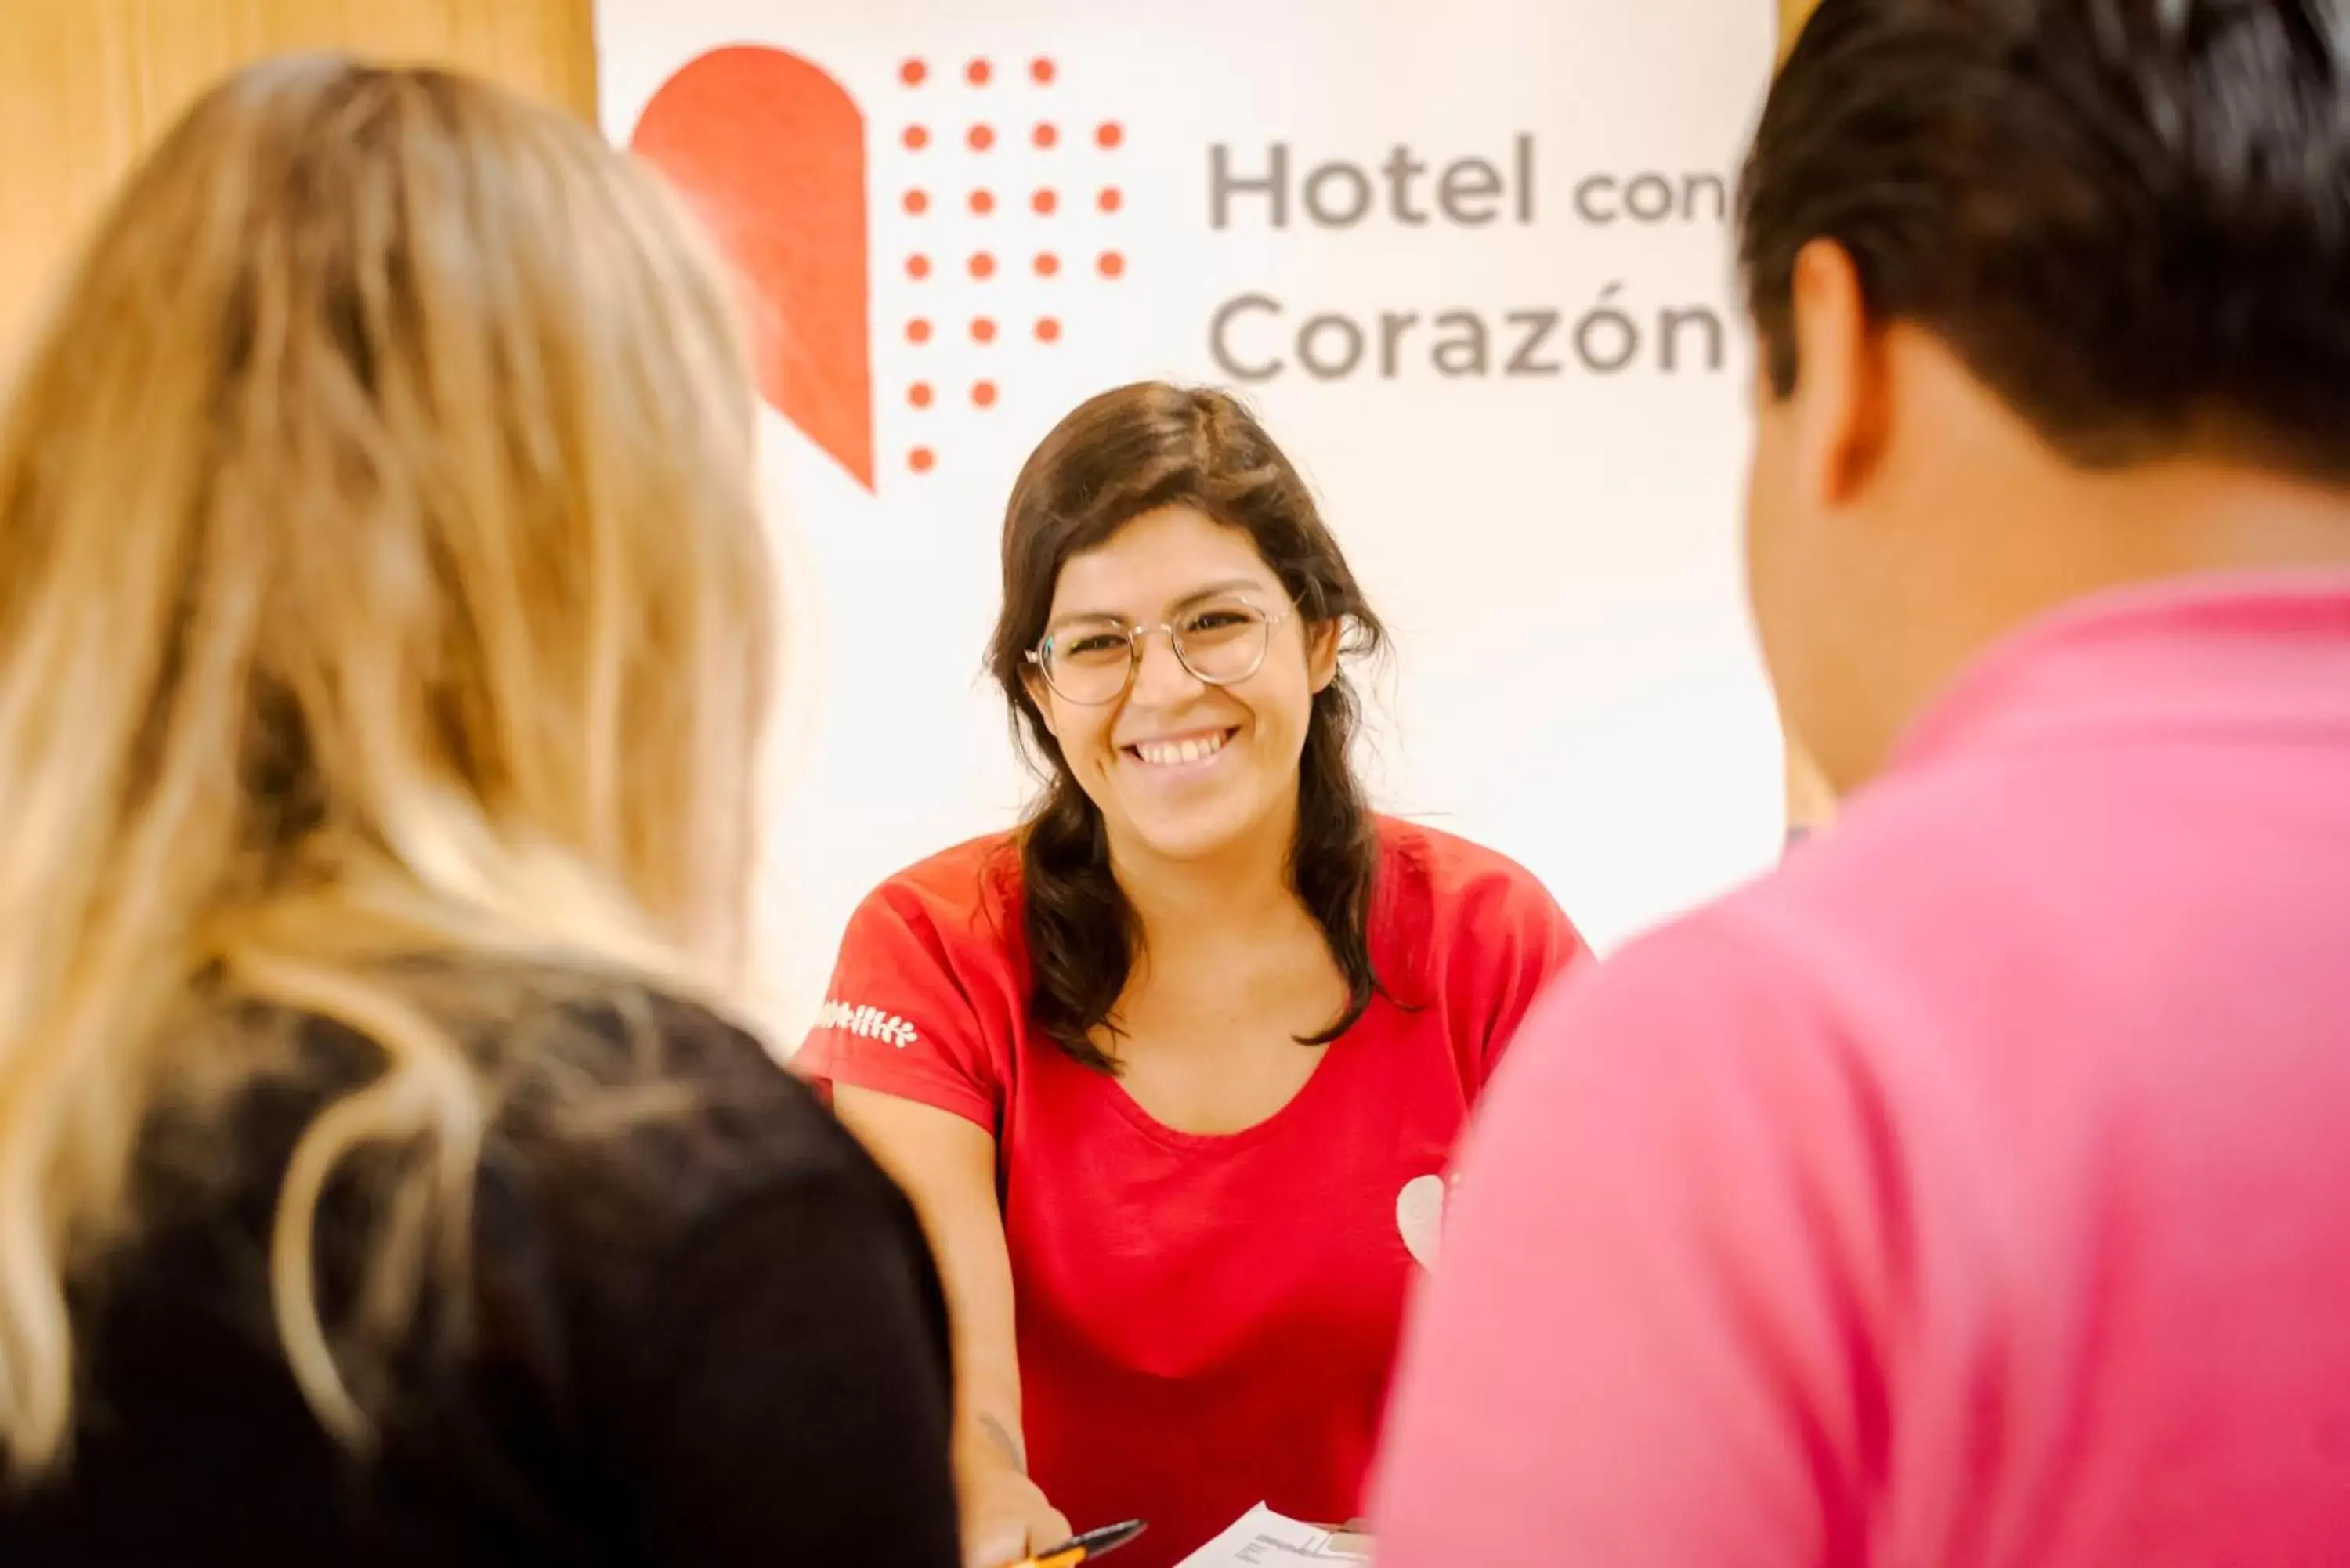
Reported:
(1976, 1189)
(383, 635)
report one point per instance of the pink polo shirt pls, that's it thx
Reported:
(1975, 1189)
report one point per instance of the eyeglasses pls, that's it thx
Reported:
(1221, 642)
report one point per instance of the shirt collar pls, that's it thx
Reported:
(2207, 654)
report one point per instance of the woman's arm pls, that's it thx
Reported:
(946, 1164)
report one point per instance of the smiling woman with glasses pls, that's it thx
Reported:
(1175, 1068)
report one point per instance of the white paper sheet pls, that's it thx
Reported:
(1261, 1537)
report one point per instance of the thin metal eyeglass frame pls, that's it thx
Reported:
(1135, 638)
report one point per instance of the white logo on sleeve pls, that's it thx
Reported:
(1420, 1215)
(866, 1023)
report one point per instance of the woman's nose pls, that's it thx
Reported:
(1162, 680)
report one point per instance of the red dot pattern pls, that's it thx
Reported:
(1043, 201)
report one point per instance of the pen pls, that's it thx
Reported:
(1085, 1548)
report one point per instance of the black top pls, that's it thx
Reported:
(702, 1336)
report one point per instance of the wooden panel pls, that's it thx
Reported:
(85, 85)
(1791, 20)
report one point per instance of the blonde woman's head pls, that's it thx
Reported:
(382, 578)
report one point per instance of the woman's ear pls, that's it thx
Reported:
(1040, 697)
(1321, 653)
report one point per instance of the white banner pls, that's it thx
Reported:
(1469, 260)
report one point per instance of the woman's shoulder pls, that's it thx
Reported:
(555, 1049)
(635, 1126)
(1461, 915)
(976, 870)
(966, 897)
(657, 1088)
(622, 1118)
(1438, 877)
(610, 1097)
(929, 990)
(1469, 932)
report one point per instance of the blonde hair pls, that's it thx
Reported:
(383, 577)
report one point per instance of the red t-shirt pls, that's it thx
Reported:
(1205, 1321)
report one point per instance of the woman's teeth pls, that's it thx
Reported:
(1164, 753)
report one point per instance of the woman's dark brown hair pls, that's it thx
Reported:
(1126, 452)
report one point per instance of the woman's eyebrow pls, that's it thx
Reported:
(1228, 585)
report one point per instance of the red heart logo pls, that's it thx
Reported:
(769, 151)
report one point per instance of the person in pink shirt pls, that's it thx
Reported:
(1975, 1190)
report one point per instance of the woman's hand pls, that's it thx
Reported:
(1006, 1517)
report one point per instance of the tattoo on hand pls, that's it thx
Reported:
(1005, 1440)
